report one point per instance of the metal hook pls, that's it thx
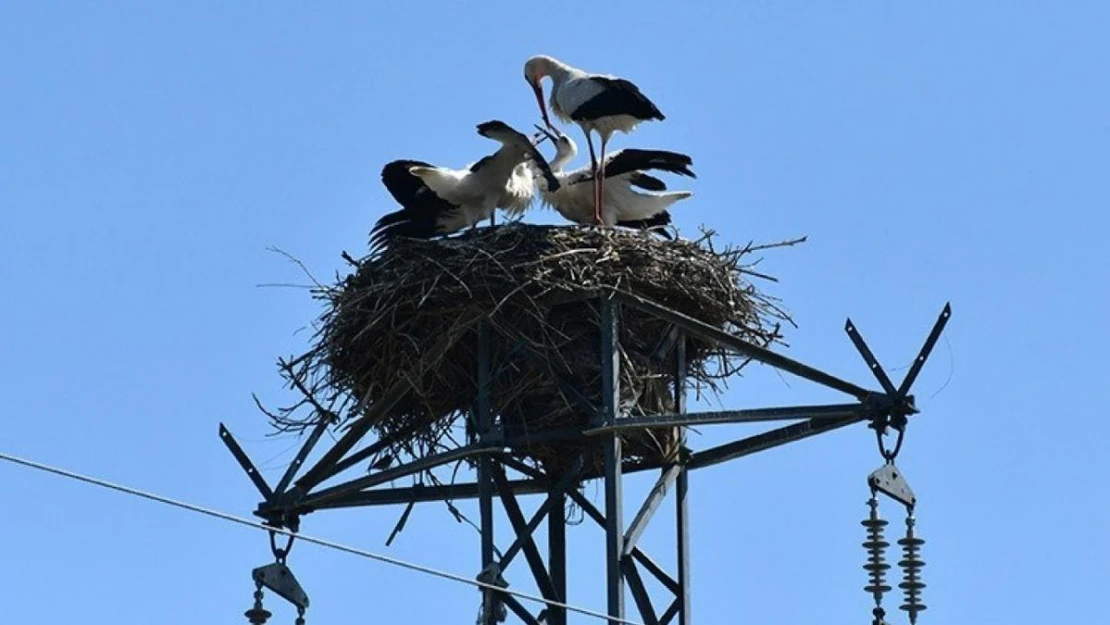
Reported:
(280, 554)
(890, 455)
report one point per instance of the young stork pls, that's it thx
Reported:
(438, 200)
(622, 170)
(594, 101)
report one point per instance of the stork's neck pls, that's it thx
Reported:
(563, 155)
(559, 71)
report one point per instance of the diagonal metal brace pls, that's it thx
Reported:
(245, 462)
(926, 349)
(306, 448)
(869, 358)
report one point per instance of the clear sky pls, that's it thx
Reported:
(151, 152)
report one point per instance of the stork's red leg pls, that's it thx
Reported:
(599, 175)
(597, 182)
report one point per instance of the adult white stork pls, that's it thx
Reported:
(438, 200)
(594, 101)
(622, 170)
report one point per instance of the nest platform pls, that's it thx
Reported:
(412, 315)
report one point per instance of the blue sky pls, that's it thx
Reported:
(150, 153)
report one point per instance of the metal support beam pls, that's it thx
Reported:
(531, 552)
(767, 440)
(557, 554)
(484, 422)
(682, 485)
(555, 498)
(319, 472)
(245, 462)
(591, 511)
(639, 591)
(926, 349)
(682, 520)
(869, 358)
(666, 344)
(785, 413)
(610, 404)
(419, 493)
(416, 466)
(517, 607)
(370, 450)
(647, 510)
(306, 449)
(707, 332)
(551, 435)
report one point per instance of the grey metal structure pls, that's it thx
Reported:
(285, 504)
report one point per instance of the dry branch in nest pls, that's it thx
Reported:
(411, 314)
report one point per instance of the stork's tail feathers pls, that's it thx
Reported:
(675, 196)
(656, 223)
(650, 205)
(402, 223)
(387, 227)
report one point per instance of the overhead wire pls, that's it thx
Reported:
(225, 516)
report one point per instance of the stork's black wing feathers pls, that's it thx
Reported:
(620, 97)
(632, 159)
(644, 181)
(421, 208)
(480, 163)
(526, 144)
(402, 185)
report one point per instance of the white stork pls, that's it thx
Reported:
(594, 101)
(622, 170)
(438, 200)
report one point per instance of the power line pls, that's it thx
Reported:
(224, 516)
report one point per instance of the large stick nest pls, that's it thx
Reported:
(410, 316)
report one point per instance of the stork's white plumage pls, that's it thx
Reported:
(441, 200)
(520, 190)
(622, 170)
(598, 102)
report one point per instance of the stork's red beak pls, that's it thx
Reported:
(538, 90)
(544, 133)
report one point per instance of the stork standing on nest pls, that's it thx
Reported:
(438, 200)
(622, 170)
(594, 101)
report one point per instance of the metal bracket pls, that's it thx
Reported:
(246, 464)
(278, 578)
(492, 575)
(888, 480)
(901, 403)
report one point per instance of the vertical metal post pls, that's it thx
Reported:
(610, 405)
(681, 486)
(557, 555)
(485, 473)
